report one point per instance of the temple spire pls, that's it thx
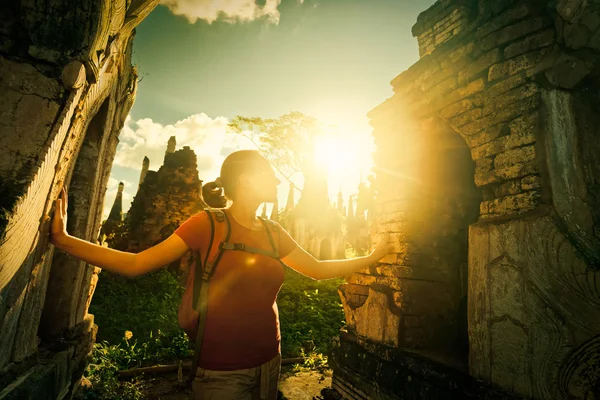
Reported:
(171, 145)
(116, 212)
(145, 166)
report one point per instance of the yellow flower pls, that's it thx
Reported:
(128, 335)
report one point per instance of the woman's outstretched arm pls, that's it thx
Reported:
(118, 262)
(301, 261)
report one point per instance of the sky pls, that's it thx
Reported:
(202, 62)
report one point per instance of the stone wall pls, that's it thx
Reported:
(67, 88)
(487, 173)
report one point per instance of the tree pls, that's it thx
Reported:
(288, 142)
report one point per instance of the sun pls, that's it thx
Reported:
(332, 154)
(336, 155)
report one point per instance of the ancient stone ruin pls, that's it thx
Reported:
(487, 169)
(66, 87)
(487, 177)
(164, 200)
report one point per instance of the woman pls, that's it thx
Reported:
(241, 336)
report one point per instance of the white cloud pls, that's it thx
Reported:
(208, 138)
(228, 10)
(145, 137)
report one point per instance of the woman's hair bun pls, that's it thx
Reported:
(212, 194)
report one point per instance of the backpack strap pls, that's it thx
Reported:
(266, 224)
(203, 274)
(254, 250)
(249, 249)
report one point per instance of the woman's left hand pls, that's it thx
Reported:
(382, 249)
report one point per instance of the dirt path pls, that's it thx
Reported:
(293, 385)
(304, 385)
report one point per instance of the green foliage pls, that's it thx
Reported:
(287, 141)
(109, 359)
(310, 312)
(313, 361)
(118, 237)
(142, 305)
(147, 306)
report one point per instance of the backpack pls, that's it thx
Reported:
(194, 304)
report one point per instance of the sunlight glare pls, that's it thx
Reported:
(334, 154)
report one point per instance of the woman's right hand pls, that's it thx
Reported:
(58, 227)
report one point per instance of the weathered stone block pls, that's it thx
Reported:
(509, 97)
(512, 204)
(513, 32)
(461, 52)
(515, 110)
(374, 319)
(419, 297)
(488, 149)
(520, 155)
(508, 17)
(457, 108)
(531, 182)
(524, 62)
(441, 88)
(510, 347)
(516, 171)
(568, 9)
(530, 43)
(504, 86)
(591, 19)
(483, 165)
(568, 71)
(483, 63)
(465, 91)
(26, 342)
(439, 24)
(487, 135)
(508, 188)
(576, 36)
(504, 174)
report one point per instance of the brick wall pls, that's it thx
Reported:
(513, 83)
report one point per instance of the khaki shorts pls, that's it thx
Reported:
(243, 384)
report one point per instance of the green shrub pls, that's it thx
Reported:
(141, 305)
(310, 313)
(108, 359)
